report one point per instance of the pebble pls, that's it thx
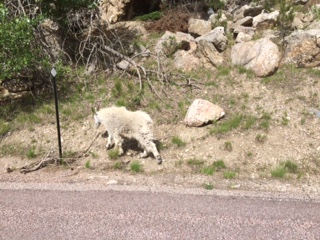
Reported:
(112, 182)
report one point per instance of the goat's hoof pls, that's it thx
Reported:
(109, 146)
(143, 155)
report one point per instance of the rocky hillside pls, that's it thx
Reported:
(255, 125)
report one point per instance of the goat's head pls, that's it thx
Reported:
(96, 118)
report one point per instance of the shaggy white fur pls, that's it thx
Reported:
(122, 123)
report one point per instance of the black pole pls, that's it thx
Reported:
(57, 115)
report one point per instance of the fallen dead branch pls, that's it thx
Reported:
(50, 160)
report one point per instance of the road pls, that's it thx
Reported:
(121, 214)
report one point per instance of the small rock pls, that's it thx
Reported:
(112, 182)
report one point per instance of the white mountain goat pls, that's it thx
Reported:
(122, 123)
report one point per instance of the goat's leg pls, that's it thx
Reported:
(118, 140)
(150, 146)
(110, 140)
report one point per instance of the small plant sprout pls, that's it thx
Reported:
(88, 164)
(208, 186)
(228, 146)
(261, 138)
(31, 153)
(285, 120)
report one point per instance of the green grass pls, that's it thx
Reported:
(219, 165)
(279, 172)
(4, 127)
(136, 167)
(88, 165)
(249, 122)
(291, 166)
(283, 168)
(31, 153)
(12, 150)
(243, 70)
(261, 138)
(229, 174)
(227, 125)
(223, 71)
(285, 120)
(113, 154)
(208, 170)
(208, 186)
(228, 146)
(178, 141)
(118, 166)
(149, 17)
(195, 162)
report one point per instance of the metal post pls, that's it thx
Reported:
(54, 73)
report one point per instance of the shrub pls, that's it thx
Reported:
(149, 17)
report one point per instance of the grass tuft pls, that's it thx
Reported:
(208, 186)
(219, 165)
(279, 172)
(113, 154)
(136, 167)
(208, 170)
(229, 174)
(31, 153)
(178, 141)
(88, 165)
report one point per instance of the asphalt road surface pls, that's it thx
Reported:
(112, 214)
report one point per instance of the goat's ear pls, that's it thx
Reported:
(93, 110)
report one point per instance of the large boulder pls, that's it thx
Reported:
(186, 61)
(246, 11)
(265, 20)
(207, 52)
(202, 112)
(199, 27)
(262, 56)
(217, 37)
(303, 48)
(171, 42)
